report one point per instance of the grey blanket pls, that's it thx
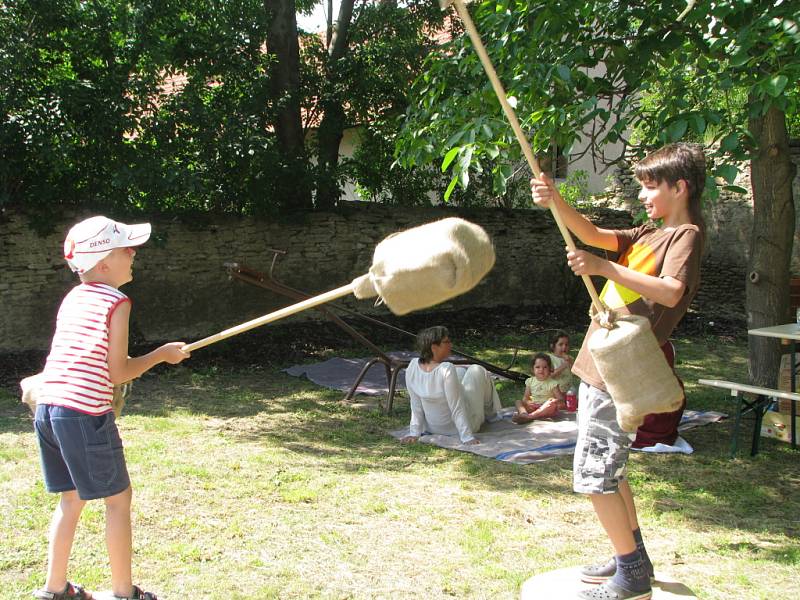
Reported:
(545, 439)
(340, 373)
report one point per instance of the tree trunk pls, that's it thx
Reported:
(331, 128)
(329, 137)
(285, 91)
(767, 285)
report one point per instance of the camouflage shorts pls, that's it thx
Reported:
(601, 453)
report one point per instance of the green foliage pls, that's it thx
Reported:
(609, 68)
(135, 107)
(575, 190)
(378, 179)
(387, 46)
(146, 107)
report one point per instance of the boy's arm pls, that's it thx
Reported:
(666, 290)
(123, 368)
(544, 193)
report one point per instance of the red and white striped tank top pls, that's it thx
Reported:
(76, 373)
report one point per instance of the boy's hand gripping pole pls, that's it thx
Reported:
(523, 141)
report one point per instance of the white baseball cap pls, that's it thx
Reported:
(90, 241)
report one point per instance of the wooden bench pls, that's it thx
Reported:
(763, 398)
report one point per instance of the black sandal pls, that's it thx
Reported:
(71, 592)
(138, 594)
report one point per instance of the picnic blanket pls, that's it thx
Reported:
(545, 439)
(502, 439)
(340, 373)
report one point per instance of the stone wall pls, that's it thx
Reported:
(181, 290)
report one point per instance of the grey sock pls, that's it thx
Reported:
(637, 536)
(631, 572)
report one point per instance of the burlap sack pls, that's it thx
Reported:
(636, 373)
(426, 265)
(30, 390)
(30, 393)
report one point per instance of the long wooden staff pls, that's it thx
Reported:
(521, 138)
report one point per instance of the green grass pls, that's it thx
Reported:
(265, 486)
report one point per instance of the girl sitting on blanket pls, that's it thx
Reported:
(543, 398)
(446, 400)
(562, 361)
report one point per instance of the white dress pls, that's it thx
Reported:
(450, 401)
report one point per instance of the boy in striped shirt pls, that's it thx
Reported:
(80, 447)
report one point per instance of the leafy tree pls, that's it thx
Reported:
(135, 105)
(581, 70)
(360, 74)
(195, 106)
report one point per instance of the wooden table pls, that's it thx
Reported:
(788, 334)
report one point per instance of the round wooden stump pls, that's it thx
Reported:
(564, 584)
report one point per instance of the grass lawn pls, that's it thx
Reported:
(254, 484)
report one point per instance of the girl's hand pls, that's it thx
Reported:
(543, 191)
(585, 263)
(472, 442)
(171, 353)
(409, 439)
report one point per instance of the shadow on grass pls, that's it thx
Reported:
(15, 417)
(262, 406)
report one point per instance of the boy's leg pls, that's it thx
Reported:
(617, 515)
(119, 541)
(600, 461)
(612, 512)
(62, 533)
(627, 496)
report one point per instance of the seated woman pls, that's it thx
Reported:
(442, 400)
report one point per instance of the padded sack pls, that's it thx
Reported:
(426, 265)
(30, 393)
(637, 376)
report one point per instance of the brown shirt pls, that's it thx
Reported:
(653, 251)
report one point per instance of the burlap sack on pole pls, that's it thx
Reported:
(30, 393)
(426, 265)
(635, 371)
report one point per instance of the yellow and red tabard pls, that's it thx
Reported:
(653, 251)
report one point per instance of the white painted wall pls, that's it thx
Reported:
(595, 167)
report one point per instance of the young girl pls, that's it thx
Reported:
(655, 274)
(562, 361)
(543, 398)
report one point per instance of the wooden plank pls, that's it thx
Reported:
(787, 331)
(565, 584)
(750, 389)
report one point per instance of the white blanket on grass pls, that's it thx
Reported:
(545, 439)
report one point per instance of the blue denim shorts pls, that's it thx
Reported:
(602, 449)
(80, 452)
